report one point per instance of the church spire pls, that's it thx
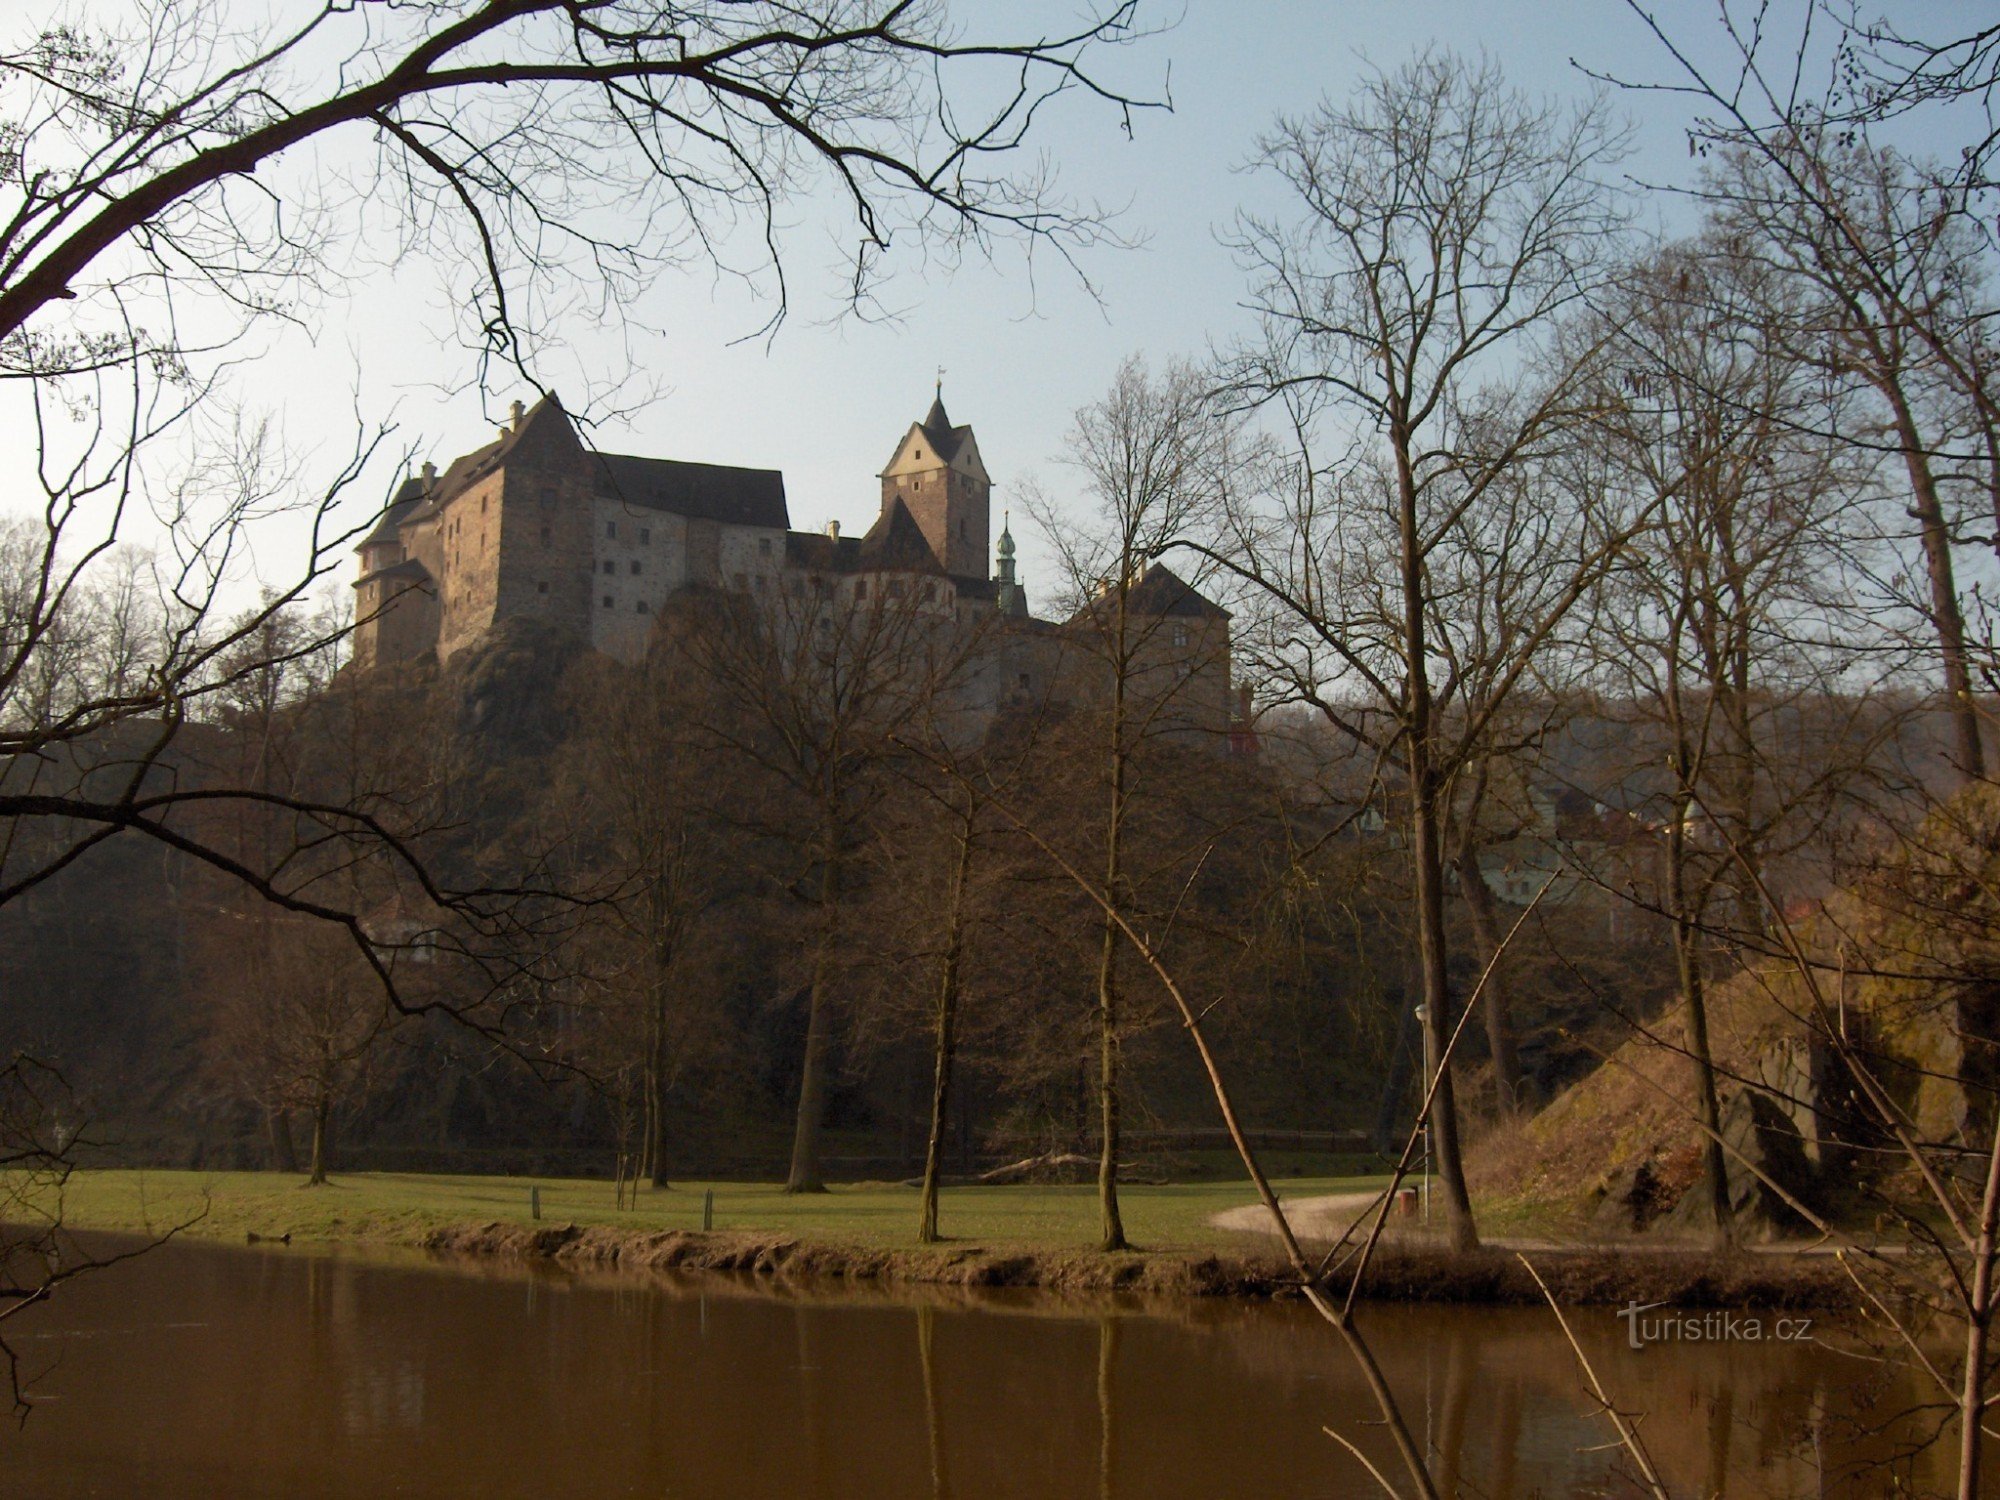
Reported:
(1011, 598)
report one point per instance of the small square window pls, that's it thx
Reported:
(610, 566)
(640, 606)
(764, 546)
(742, 582)
(861, 588)
(607, 601)
(645, 536)
(545, 536)
(635, 567)
(611, 528)
(548, 497)
(542, 588)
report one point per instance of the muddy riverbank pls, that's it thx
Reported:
(1402, 1273)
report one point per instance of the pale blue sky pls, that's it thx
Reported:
(1023, 347)
(827, 398)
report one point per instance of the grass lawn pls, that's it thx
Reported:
(398, 1207)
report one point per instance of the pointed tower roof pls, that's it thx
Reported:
(1008, 593)
(895, 543)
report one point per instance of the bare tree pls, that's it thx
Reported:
(1152, 455)
(1444, 225)
(172, 169)
(295, 1021)
(1730, 633)
(648, 832)
(1899, 249)
(816, 680)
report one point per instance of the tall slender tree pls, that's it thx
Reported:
(1443, 225)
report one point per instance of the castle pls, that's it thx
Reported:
(536, 524)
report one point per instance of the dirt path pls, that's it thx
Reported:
(1324, 1218)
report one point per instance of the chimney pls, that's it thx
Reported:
(833, 530)
(520, 412)
(430, 474)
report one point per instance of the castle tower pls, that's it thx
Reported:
(937, 473)
(1010, 597)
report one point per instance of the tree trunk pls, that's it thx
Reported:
(653, 1114)
(1426, 854)
(1947, 618)
(1431, 956)
(1113, 1237)
(946, 1037)
(1694, 994)
(1497, 1010)
(805, 1175)
(284, 1155)
(1112, 1222)
(316, 1175)
(1978, 1328)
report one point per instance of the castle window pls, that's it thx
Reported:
(1024, 679)
(764, 546)
(640, 606)
(611, 528)
(482, 505)
(542, 587)
(607, 601)
(895, 588)
(545, 536)
(645, 536)
(610, 566)
(742, 582)
(860, 588)
(962, 533)
(930, 592)
(548, 497)
(1180, 635)
(635, 567)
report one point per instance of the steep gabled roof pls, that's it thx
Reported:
(409, 494)
(1158, 594)
(895, 543)
(944, 437)
(703, 492)
(947, 442)
(1160, 591)
(545, 438)
(817, 553)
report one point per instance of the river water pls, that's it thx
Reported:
(226, 1371)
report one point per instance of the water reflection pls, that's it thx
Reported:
(252, 1372)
